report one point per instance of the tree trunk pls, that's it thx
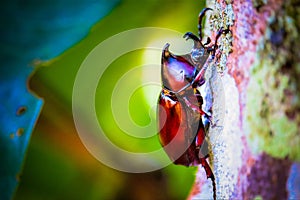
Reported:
(255, 139)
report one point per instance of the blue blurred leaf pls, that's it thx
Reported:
(44, 29)
(19, 111)
(33, 30)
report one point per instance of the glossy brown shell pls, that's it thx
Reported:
(180, 127)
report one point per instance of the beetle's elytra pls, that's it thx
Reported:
(181, 129)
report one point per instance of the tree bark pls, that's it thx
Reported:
(255, 139)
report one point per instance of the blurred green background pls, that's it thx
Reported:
(57, 165)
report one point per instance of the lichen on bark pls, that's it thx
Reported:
(222, 18)
(274, 101)
(261, 112)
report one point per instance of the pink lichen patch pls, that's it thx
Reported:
(248, 30)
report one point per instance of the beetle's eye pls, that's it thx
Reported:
(177, 74)
(197, 53)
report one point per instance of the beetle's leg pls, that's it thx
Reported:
(220, 32)
(207, 41)
(200, 102)
(201, 73)
(206, 116)
(209, 174)
(214, 48)
(203, 150)
(207, 121)
(199, 97)
(195, 108)
(200, 17)
(190, 35)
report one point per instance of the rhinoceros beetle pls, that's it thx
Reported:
(181, 128)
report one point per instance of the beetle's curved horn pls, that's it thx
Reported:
(166, 52)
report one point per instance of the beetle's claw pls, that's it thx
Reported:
(214, 47)
(207, 41)
(212, 50)
(227, 30)
(192, 36)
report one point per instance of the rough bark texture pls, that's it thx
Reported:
(255, 141)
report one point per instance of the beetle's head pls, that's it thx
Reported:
(176, 71)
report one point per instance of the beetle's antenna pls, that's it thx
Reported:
(200, 17)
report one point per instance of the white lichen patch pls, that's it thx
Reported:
(222, 18)
(226, 143)
(224, 134)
